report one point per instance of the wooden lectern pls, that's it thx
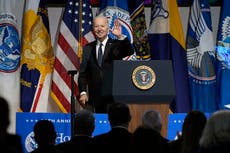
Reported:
(142, 85)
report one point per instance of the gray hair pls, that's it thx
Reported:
(217, 129)
(152, 119)
(84, 122)
(101, 17)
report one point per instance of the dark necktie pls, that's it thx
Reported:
(100, 54)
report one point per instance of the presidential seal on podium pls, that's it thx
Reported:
(143, 77)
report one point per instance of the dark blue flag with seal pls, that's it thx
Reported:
(223, 58)
(201, 57)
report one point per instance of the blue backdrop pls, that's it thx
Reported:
(62, 123)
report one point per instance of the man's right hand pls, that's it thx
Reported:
(83, 100)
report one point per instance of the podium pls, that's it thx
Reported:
(142, 85)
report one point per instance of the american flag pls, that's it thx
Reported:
(75, 32)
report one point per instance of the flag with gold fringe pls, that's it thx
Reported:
(37, 58)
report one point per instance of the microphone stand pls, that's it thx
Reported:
(72, 73)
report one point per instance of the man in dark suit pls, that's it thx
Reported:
(9, 142)
(148, 136)
(92, 69)
(45, 137)
(118, 139)
(84, 124)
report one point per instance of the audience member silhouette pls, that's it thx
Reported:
(152, 119)
(118, 139)
(188, 141)
(45, 137)
(10, 143)
(84, 124)
(148, 135)
(216, 134)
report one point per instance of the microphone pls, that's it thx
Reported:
(72, 72)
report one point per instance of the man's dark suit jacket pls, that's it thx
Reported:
(117, 140)
(91, 73)
(79, 144)
(10, 143)
(146, 139)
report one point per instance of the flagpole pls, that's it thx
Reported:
(79, 52)
(72, 73)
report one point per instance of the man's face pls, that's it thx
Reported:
(101, 28)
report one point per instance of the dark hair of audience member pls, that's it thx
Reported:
(10, 143)
(45, 136)
(81, 141)
(4, 116)
(119, 114)
(44, 132)
(118, 138)
(192, 129)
